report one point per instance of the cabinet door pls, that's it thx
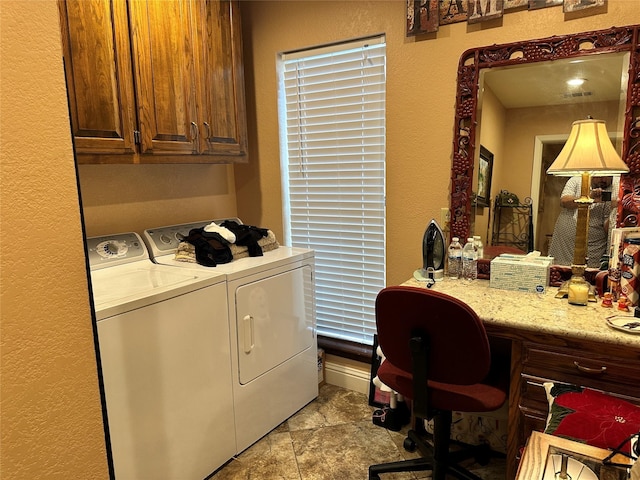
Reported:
(97, 61)
(164, 73)
(221, 78)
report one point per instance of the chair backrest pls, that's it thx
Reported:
(459, 349)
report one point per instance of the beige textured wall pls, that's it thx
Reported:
(421, 80)
(132, 198)
(51, 422)
(492, 125)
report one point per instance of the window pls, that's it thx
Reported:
(332, 138)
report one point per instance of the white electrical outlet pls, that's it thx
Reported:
(444, 217)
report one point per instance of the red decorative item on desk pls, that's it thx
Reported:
(630, 270)
(590, 416)
(623, 303)
(607, 300)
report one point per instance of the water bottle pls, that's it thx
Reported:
(469, 261)
(455, 258)
(477, 241)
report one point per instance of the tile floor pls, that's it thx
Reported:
(332, 438)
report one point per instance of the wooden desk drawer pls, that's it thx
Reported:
(533, 395)
(587, 369)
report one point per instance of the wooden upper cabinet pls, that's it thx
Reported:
(165, 78)
(96, 49)
(221, 89)
(167, 73)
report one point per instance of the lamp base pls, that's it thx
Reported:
(574, 289)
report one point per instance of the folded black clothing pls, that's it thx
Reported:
(247, 236)
(211, 247)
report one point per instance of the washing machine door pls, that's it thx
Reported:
(274, 321)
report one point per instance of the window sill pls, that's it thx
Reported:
(343, 348)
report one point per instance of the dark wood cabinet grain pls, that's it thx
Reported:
(155, 82)
(97, 58)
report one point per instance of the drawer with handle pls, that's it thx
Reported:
(584, 368)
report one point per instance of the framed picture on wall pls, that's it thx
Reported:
(485, 170)
(422, 17)
(535, 4)
(574, 5)
(513, 4)
(483, 11)
(453, 11)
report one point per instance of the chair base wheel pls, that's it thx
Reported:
(483, 456)
(409, 445)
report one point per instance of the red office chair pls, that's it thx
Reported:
(438, 356)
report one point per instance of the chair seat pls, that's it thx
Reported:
(479, 397)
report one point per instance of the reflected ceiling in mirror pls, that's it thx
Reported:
(550, 52)
(546, 83)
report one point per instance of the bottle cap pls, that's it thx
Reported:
(476, 237)
(455, 239)
(470, 239)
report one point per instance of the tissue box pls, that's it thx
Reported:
(520, 272)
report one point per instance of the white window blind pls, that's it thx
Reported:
(332, 135)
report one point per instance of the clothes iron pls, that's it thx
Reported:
(433, 252)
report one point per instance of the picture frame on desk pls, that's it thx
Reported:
(618, 237)
(542, 457)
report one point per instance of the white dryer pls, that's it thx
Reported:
(164, 347)
(272, 325)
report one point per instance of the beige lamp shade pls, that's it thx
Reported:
(588, 149)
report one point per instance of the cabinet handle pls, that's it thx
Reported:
(195, 133)
(208, 134)
(591, 371)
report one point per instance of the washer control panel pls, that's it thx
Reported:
(111, 250)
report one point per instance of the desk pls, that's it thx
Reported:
(550, 340)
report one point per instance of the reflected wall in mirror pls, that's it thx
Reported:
(498, 105)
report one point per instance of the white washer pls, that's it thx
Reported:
(272, 325)
(164, 348)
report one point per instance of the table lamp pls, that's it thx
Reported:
(588, 151)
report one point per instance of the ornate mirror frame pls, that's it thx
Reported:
(616, 39)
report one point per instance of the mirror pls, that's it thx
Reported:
(479, 73)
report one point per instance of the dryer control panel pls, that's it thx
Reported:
(165, 240)
(111, 250)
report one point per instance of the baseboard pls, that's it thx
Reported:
(347, 374)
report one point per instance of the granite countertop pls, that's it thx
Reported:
(539, 313)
